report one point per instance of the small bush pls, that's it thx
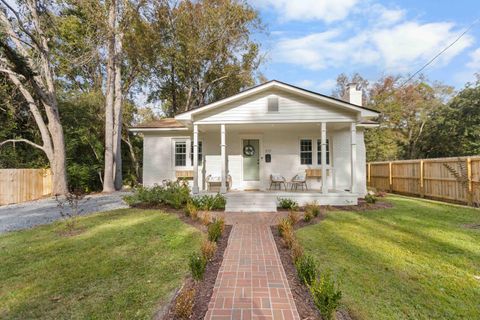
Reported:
(370, 198)
(197, 266)
(313, 208)
(209, 202)
(215, 229)
(284, 225)
(306, 269)
(293, 216)
(206, 218)
(208, 249)
(191, 209)
(326, 295)
(288, 238)
(175, 194)
(297, 251)
(184, 304)
(286, 203)
(307, 216)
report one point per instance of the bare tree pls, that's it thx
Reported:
(25, 58)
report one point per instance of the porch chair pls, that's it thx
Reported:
(300, 179)
(277, 180)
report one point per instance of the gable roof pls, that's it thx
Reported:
(365, 112)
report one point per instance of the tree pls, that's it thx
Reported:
(203, 52)
(455, 128)
(406, 110)
(25, 57)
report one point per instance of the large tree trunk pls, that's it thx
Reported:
(108, 179)
(117, 133)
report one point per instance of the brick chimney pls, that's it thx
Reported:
(354, 95)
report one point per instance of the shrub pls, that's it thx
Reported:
(307, 216)
(288, 237)
(215, 229)
(184, 304)
(191, 209)
(313, 208)
(297, 251)
(286, 203)
(197, 266)
(209, 202)
(293, 217)
(206, 218)
(208, 249)
(326, 295)
(306, 269)
(284, 225)
(175, 194)
(370, 198)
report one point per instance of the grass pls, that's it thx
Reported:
(123, 265)
(418, 260)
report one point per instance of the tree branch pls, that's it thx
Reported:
(22, 140)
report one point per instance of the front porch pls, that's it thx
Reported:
(267, 201)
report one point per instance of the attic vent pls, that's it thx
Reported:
(273, 104)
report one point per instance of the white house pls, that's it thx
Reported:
(271, 130)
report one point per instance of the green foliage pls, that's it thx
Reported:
(307, 216)
(197, 264)
(175, 194)
(215, 230)
(190, 209)
(284, 225)
(313, 209)
(209, 202)
(326, 295)
(370, 198)
(306, 269)
(286, 203)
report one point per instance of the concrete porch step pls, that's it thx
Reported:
(250, 202)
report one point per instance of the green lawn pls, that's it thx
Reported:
(124, 265)
(417, 260)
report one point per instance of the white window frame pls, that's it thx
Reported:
(300, 151)
(174, 153)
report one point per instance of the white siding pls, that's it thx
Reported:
(291, 108)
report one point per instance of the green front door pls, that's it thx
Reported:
(251, 159)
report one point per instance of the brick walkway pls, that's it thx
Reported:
(251, 283)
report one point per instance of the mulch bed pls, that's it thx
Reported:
(301, 294)
(364, 206)
(204, 288)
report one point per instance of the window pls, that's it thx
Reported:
(199, 153)
(305, 151)
(272, 104)
(180, 153)
(319, 152)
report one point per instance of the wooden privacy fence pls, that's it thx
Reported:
(448, 179)
(18, 185)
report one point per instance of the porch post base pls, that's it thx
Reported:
(223, 190)
(195, 190)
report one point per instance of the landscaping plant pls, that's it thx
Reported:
(209, 202)
(286, 203)
(313, 208)
(215, 229)
(296, 251)
(306, 269)
(197, 266)
(307, 216)
(208, 249)
(69, 208)
(326, 295)
(191, 210)
(284, 225)
(370, 198)
(293, 216)
(184, 304)
(174, 194)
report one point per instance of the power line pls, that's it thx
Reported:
(441, 52)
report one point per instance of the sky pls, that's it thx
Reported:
(309, 42)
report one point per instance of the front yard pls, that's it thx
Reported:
(418, 260)
(123, 265)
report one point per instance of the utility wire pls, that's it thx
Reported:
(441, 52)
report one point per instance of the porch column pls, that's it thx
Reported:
(324, 157)
(223, 186)
(195, 159)
(353, 139)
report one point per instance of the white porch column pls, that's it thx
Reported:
(353, 139)
(323, 159)
(223, 186)
(195, 159)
